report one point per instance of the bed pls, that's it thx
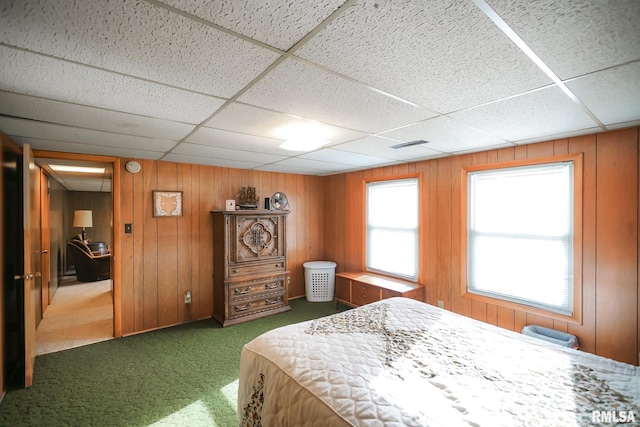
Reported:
(400, 362)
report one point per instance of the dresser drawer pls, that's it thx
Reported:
(251, 306)
(363, 293)
(255, 288)
(238, 270)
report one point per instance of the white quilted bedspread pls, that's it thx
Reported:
(400, 362)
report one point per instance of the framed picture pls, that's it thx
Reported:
(167, 203)
(230, 205)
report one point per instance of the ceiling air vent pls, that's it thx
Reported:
(409, 144)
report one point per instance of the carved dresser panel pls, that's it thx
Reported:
(250, 275)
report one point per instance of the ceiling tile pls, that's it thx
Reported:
(443, 55)
(210, 161)
(315, 165)
(445, 135)
(84, 184)
(225, 153)
(576, 37)
(237, 117)
(275, 167)
(280, 24)
(303, 90)
(136, 38)
(45, 110)
(224, 139)
(380, 147)
(612, 95)
(535, 114)
(73, 147)
(89, 86)
(86, 137)
(344, 157)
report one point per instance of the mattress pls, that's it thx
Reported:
(400, 362)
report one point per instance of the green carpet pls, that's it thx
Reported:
(180, 376)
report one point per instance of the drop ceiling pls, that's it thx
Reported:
(212, 82)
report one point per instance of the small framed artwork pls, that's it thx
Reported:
(230, 205)
(167, 203)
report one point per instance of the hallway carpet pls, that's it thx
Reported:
(79, 314)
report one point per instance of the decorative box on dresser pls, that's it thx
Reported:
(250, 275)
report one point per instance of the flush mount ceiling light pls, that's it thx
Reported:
(303, 136)
(303, 144)
(76, 169)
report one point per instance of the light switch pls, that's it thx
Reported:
(128, 228)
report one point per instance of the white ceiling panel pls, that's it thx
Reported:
(536, 114)
(300, 89)
(344, 157)
(136, 38)
(237, 141)
(214, 83)
(277, 23)
(74, 147)
(210, 161)
(54, 132)
(243, 118)
(425, 52)
(275, 167)
(613, 95)
(381, 147)
(44, 110)
(225, 153)
(315, 165)
(576, 37)
(84, 184)
(445, 135)
(44, 77)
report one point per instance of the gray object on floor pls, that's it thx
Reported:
(551, 335)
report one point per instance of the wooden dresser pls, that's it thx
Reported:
(250, 276)
(356, 288)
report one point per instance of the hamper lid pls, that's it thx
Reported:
(319, 264)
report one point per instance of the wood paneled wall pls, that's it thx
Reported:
(610, 236)
(164, 257)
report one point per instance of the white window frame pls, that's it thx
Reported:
(571, 277)
(395, 215)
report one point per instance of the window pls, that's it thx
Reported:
(521, 234)
(392, 235)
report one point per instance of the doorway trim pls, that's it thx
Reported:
(117, 223)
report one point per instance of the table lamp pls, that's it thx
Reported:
(83, 218)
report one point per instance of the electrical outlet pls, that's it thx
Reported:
(440, 304)
(187, 297)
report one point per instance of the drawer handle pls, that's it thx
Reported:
(272, 300)
(277, 265)
(245, 308)
(246, 291)
(235, 270)
(275, 285)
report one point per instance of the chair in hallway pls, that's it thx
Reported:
(90, 266)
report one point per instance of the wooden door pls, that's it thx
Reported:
(45, 233)
(31, 275)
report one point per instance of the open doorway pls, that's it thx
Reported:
(77, 212)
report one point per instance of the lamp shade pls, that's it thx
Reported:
(82, 219)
